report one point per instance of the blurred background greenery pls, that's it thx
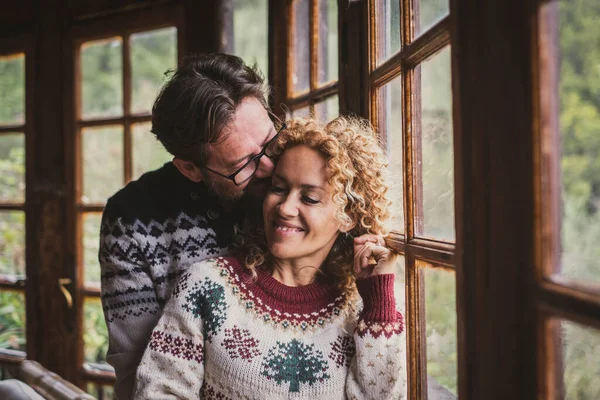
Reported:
(580, 165)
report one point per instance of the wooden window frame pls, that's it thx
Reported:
(15, 46)
(420, 253)
(281, 36)
(123, 26)
(558, 297)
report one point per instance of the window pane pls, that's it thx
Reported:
(390, 122)
(152, 54)
(387, 20)
(102, 163)
(327, 110)
(328, 41)
(102, 82)
(95, 336)
(12, 90)
(148, 153)
(101, 392)
(12, 168)
(436, 158)
(12, 321)
(251, 31)
(579, 88)
(440, 317)
(90, 238)
(430, 12)
(303, 112)
(12, 243)
(581, 352)
(301, 47)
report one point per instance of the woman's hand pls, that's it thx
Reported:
(372, 247)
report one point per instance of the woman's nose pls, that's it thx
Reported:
(287, 207)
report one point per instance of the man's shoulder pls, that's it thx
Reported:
(157, 195)
(139, 190)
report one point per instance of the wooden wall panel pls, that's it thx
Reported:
(494, 188)
(52, 334)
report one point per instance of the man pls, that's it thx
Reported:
(212, 116)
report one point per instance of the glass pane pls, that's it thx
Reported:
(148, 153)
(581, 352)
(12, 167)
(303, 112)
(102, 163)
(12, 90)
(90, 240)
(327, 110)
(390, 122)
(152, 54)
(436, 176)
(328, 41)
(95, 335)
(440, 317)
(301, 46)
(430, 12)
(12, 321)
(101, 392)
(387, 20)
(251, 32)
(12, 243)
(579, 85)
(102, 81)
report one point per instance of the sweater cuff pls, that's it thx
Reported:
(377, 293)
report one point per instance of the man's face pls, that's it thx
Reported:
(246, 135)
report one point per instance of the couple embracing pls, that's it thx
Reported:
(252, 266)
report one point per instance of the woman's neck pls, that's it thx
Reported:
(292, 275)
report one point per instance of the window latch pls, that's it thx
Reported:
(62, 282)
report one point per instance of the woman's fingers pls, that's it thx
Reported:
(370, 250)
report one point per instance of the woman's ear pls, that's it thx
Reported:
(188, 169)
(347, 226)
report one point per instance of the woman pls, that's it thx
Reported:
(306, 311)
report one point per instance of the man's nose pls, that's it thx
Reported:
(265, 168)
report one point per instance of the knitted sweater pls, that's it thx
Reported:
(224, 335)
(152, 230)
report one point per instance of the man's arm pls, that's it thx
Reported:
(129, 300)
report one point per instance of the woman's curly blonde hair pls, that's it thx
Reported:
(358, 178)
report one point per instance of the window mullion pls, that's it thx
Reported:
(127, 150)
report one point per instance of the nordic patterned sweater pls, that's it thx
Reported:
(151, 231)
(224, 335)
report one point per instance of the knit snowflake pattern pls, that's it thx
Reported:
(296, 363)
(376, 329)
(295, 322)
(208, 392)
(342, 351)
(206, 300)
(240, 344)
(166, 343)
(182, 285)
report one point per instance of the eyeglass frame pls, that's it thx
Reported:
(255, 158)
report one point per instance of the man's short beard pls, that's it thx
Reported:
(223, 194)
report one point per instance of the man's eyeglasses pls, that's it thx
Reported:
(246, 171)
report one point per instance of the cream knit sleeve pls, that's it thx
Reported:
(377, 370)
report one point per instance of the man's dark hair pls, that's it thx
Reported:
(199, 99)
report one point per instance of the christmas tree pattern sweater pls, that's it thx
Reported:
(224, 335)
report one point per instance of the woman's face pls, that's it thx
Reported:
(299, 214)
